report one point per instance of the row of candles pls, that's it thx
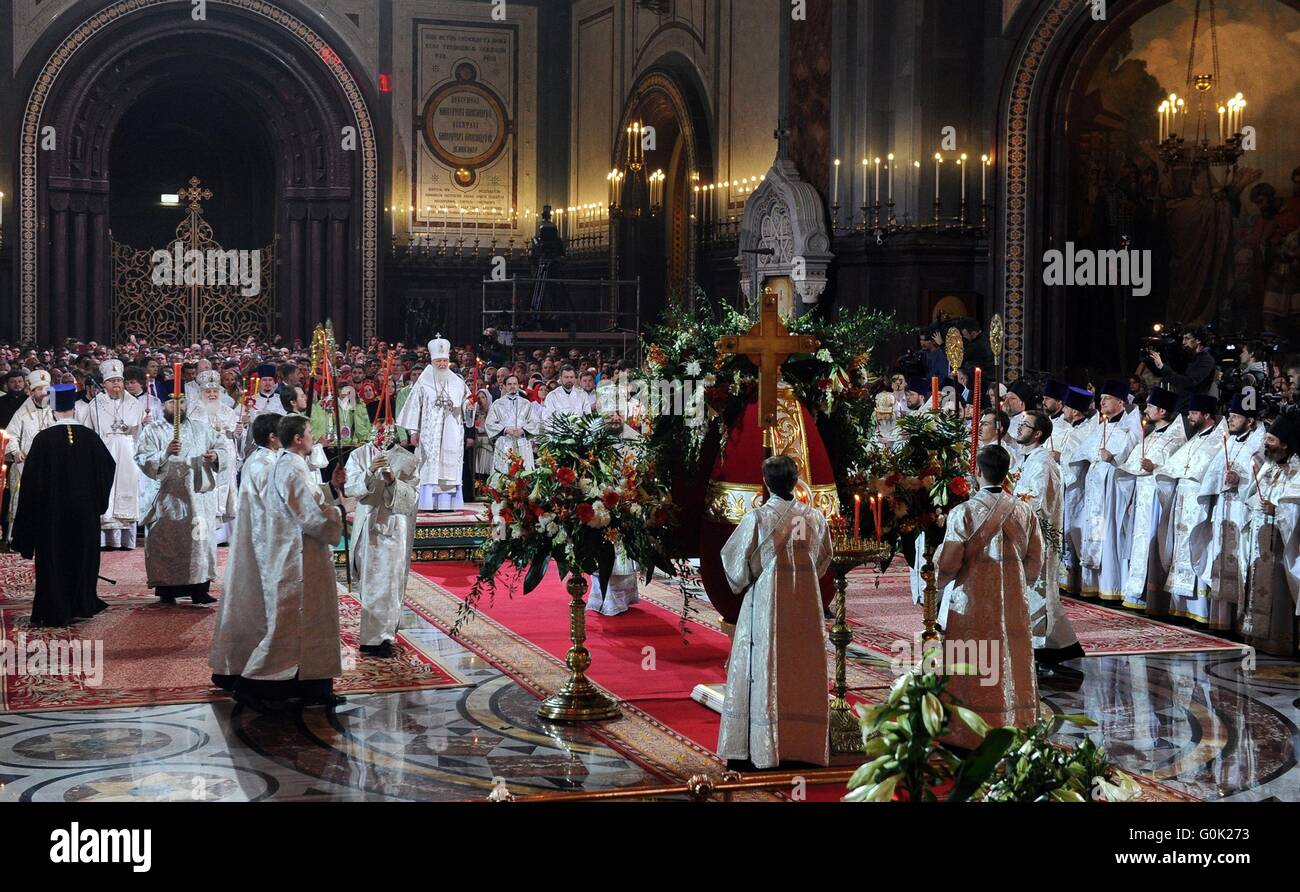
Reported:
(875, 169)
(723, 202)
(1172, 118)
(876, 505)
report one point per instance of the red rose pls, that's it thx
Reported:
(586, 512)
(566, 476)
(960, 487)
(610, 498)
(538, 510)
(507, 515)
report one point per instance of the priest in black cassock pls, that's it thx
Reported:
(66, 484)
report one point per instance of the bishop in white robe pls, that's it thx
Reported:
(776, 708)
(32, 417)
(228, 425)
(1267, 619)
(512, 423)
(434, 413)
(1217, 543)
(385, 484)
(180, 554)
(117, 417)
(1108, 446)
(1139, 506)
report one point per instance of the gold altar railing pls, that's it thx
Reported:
(703, 787)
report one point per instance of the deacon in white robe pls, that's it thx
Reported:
(1074, 476)
(180, 550)
(775, 708)
(1107, 447)
(227, 423)
(992, 553)
(301, 654)
(1217, 543)
(1178, 480)
(622, 589)
(1139, 506)
(32, 417)
(1267, 619)
(567, 399)
(385, 484)
(117, 417)
(434, 413)
(246, 600)
(1039, 486)
(512, 423)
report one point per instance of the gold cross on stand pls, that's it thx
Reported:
(193, 194)
(768, 345)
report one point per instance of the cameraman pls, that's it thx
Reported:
(1197, 376)
(1254, 368)
(936, 361)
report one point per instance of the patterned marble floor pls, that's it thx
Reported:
(1196, 722)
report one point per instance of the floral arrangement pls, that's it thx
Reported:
(1036, 770)
(834, 383)
(589, 493)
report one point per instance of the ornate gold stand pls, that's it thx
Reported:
(846, 736)
(578, 700)
(930, 598)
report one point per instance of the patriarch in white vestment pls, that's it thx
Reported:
(32, 417)
(117, 417)
(434, 414)
(229, 427)
(775, 707)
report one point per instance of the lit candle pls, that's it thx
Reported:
(938, 162)
(835, 193)
(1226, 468)
(877, 181)
(857, 514)
(1223, 135)
(875, 516)
(1103, 431)
(891, 178)
(934, 393)
(962, 165)
(984, 170)
(865, 164)
(975, 418)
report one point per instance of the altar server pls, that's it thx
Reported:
(512, 424)
(385, 482)
(180, 554)
(434, 413)
(1267, 619)
(1074, 476)
(117, 417)
(1108, 446)
(567, 399)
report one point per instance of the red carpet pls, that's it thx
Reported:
(154, 654)
(658, 681)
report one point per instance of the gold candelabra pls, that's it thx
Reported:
(578, 700)
(849, 553)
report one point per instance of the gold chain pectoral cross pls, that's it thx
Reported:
(768, 345)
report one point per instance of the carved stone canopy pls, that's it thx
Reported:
(786, 215)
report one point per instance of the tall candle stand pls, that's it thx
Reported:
(848, 554)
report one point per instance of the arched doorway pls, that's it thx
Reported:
(657, 243)
(140, 69)
(1060, 45)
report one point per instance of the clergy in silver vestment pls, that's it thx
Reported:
(1139, 507)
(1074, 476)
(228, 424)
(567, 399)
(1054, 394)
(776, 708)
(385, 482)
(301, 654)
(180, 553)
(623, 588)
(992, 553)
(1186, 594)
(433, 413)
(1267, 619)
(1020, 399)
(1217, 544)
(245, 600)
(1108, 446)
(117, 417)
(32, 417)
(512, 423)
(1039, 486)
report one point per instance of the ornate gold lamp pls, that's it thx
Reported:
(849, 553)
(578, 700)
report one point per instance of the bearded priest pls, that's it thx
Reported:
(1107, 447)
(180, 554)
(117, 417)
(434, 414)
(32, 417)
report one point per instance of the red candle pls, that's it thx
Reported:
(934, 393)
(176, 377)
(857, 515)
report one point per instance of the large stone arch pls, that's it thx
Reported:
(300, 86)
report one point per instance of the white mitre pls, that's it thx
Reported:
(38, 378)
(110, 369)
(209, 380)
(439, 348)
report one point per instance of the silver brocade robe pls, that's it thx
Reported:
(1216, 545)
(776, 707)
(1039, 486)
(1099, 556)
(181, 517)
(505, 414)
(302, 633)
(28, 421)
(1179, 481)
(992, 552)
(435, 410)
(245, 600)
(383, 529)
(118, 423)
(1073, 477)
(1268, 611)
(224, 420)
(558, 402)
(1139, 508)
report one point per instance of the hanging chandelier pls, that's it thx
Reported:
(1200, 128)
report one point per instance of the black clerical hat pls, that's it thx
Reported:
(1116, 388)
(1288, 431)
(1163, 399)
(1240, 407)
(1203, 403)
(1056, 390)
(1079, 400)
(65, 397)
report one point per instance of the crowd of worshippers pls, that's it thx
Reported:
(1177, 498)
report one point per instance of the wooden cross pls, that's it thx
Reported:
(193, 194)
(768, 345)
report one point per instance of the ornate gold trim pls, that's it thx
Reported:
(730, 502)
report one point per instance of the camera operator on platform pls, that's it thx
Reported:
(1197, 376)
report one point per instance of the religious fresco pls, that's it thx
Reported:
(1220, 239)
